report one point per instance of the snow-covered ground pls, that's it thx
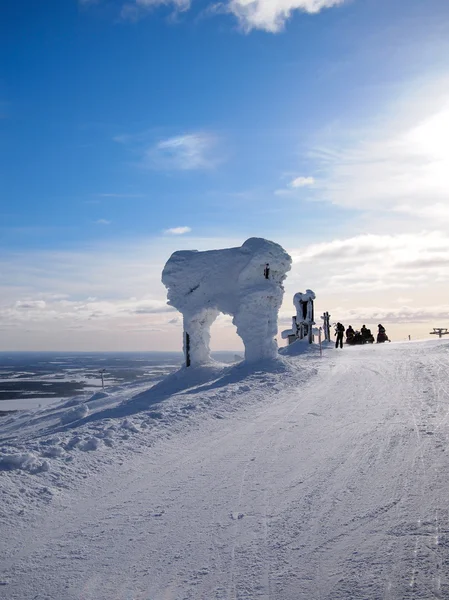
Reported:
(303, 479)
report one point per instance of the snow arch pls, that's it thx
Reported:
(244, 282)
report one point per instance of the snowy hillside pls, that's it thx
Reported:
(297, 479)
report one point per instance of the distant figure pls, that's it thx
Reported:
(366, 334)
(382, 334)
(266, 271)
(340, 329)
(350, 334)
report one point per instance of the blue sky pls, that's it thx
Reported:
(131, 129)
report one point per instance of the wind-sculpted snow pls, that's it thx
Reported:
(55, 438)
(244, 282)
(306, 478)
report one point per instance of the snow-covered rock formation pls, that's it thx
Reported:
(244, 282)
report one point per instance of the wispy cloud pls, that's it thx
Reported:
(300, 182)
(266, 15)
(136, 9)
(367, 263)
(103, 222)
(184, 152)
(400, 314)
(399, 166)
(30, 304)
(177, 230)
(294, 185)
(272, 15)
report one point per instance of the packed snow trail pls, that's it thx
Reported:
(334, 490)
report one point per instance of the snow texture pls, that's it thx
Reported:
(297, 479)
(231, 281)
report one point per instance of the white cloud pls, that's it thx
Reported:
(402, 314)
(267, 15)
(177, 230)
(299, 182)
(400, 166)
(271, 15)
(294, 185)
(367, 263)
(103, 222)
(184, 152)
(30, 304)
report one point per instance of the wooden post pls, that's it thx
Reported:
(187, 348)
(326, 326)
(319, 340)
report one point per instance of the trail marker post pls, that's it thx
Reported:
(439, 331)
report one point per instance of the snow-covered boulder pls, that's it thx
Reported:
(244, 282)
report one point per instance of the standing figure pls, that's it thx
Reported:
(339, 330)
(382, 334)
(350, 333)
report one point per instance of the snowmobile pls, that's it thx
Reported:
(358, 338)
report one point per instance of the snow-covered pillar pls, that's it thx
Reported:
(197, 326)
(256, 322)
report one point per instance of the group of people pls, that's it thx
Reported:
(364, 336)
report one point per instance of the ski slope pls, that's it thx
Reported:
(320, 479)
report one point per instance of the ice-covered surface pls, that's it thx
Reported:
(297, 479)
(232, 281)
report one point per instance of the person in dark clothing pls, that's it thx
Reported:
(350, 333)
(367, 336)
(382, 334)
(339, 330)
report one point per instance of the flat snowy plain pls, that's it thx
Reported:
(318, 479)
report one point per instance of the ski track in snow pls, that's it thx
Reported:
(325, 481)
